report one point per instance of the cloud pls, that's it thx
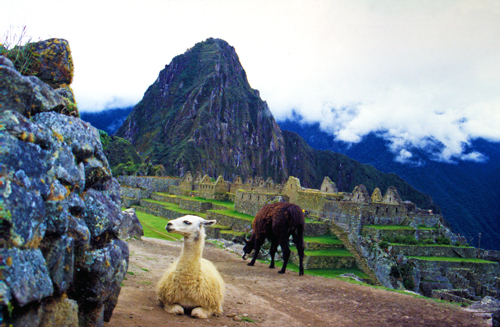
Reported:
(423, 74)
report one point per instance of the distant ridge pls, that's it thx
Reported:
(467, 192)
(107, 120)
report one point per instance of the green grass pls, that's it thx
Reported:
(232, 232)
(390, 227)
(176, 208)
(325, 253)
(227, 204)
(246, 319)
(327, 273)
(451, 259)
(324, 239)
(156, 201)
(154, 227)
(426, 228)
(434, 245)
(234, 214)
(399, 227)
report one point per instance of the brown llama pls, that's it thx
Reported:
(276, 222)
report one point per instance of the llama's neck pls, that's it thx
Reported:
(192, 250)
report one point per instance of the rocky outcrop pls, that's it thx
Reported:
(61, 259)
(130, 227)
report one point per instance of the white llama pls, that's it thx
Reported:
(191, 282)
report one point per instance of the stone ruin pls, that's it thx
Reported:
(350, 210)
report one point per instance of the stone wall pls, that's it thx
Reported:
(60, 250)
(489, 255)
(347, 216)
(135, 193)
(152, 184)
(383, 214)
(435, 251)
(316, 229)
(314, 201)
(250, 202)
(193, 205)
(214, 191)
(423, 219)
(377, 233)
(239, 225)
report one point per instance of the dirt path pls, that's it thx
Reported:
(267, 298)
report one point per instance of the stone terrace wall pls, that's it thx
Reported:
(435, 251)
(152, 184)
(424, 219)
(250, 202)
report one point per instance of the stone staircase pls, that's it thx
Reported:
(360, 260)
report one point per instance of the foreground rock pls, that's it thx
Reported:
(61, 259)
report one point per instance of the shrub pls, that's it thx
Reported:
(383, 245)
(443, 240)
(17, 47)
(411, 240)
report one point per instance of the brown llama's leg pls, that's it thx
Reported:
(272, 251)
(286, 254)
(299, 244)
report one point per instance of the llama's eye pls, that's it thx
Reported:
(187, 222)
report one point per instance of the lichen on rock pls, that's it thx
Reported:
(61, 256)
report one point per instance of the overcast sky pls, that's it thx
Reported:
(424, 74)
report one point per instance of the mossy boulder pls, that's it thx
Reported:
(60, 256)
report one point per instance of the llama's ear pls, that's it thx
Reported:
(209, 222)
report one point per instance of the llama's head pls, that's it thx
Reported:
(188, 226)
(248, 248)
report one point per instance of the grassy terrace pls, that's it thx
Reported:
(175, 207)
(434, 245)
(228, 204)
(398, 227)
(325, 253)
(154, 227)
(328, 273)
(235, 214)
(451, 259)
(324, 239)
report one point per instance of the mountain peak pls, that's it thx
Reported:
(201, 114)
